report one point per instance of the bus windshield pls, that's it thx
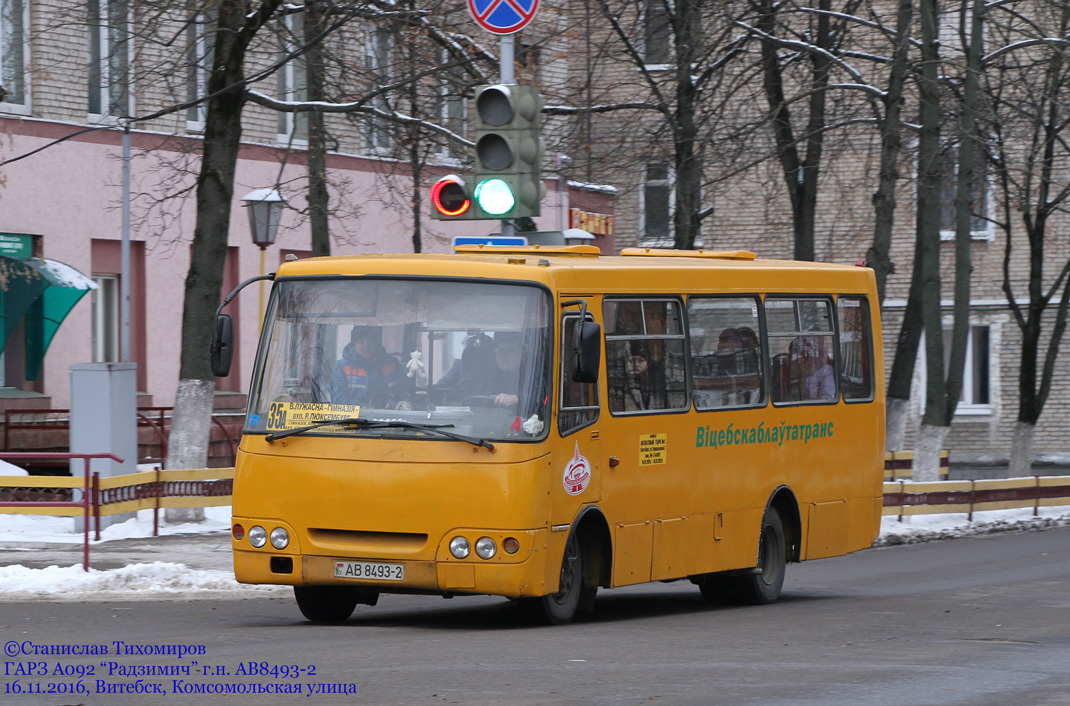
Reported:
(469, 357)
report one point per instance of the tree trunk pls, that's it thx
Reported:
(927, 448)
(688, 164)
(965, 186)
(801, 174)
(318, 195)
(878, 256)
(1021, 463)
(190, 425)
(896, 414)
(906, 354)
(928, 218)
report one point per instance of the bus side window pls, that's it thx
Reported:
(644, 355)
(726, 366)
(579, 401)
(801, 350)
(856, 349)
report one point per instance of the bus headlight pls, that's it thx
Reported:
(486, 548)
(257, 536)
(279, 538)
(459, 547)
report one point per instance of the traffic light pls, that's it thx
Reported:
(508, 152)
(450, 200)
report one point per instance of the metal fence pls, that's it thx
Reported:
(155, 490)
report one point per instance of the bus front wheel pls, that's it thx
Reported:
(559, 608)
(326, 604)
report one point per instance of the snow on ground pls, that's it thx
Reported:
(926, 528)
(145, 581)
(158, 580)
(137, 581)
(16, 529)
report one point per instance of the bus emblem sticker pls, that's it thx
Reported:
(577, 473)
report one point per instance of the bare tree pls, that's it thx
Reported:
(680, 51)
(1027, 84)
(889, 126)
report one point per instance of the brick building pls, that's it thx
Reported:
(72, 71)
(68, 67)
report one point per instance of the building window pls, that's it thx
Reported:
(377, 51)
(452, 106)
(656, 207)
(109, 58)
(105, 304)
(980, 201)
(976, 395)
(528, 62)
(292, 81)
(977, 375)
(200, 53)
(13, 16)
(657, 33)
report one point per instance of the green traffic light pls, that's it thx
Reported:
(494, 196)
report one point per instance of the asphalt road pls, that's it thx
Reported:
(980, 621)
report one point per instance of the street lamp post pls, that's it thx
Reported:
(265, 211)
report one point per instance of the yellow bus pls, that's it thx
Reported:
(538, 422)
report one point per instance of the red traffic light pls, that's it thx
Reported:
(449, 197)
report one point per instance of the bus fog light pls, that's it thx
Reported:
(459, 547)
(486, 548)
(238, 531)
(510, 545)
(279, 538)
(257, 536)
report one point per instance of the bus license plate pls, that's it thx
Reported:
(369, 570)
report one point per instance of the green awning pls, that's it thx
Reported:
(39, 293)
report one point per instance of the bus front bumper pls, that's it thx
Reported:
(504, 576)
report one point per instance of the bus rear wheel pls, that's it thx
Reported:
(560, 608)
(763, 586)
(326, 604)
(760, 585)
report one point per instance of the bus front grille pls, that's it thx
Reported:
(364, 543)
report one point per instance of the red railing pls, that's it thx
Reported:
(156, 418)
(89, 492)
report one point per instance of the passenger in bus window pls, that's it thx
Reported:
(750, 348)
(503, 379)
(818, 380)
(751, 384)
(365, 373)
(465, 374)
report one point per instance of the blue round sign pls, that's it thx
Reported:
(503, 16)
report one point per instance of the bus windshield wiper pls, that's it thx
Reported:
(360, 423)
(434, 429)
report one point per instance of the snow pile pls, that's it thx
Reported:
(915, 529)
(134, 581)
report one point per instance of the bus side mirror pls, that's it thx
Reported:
(587, 338)
(222, 348)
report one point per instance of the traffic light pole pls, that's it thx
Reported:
(507, 76)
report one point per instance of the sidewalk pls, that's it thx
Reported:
(210, 551)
